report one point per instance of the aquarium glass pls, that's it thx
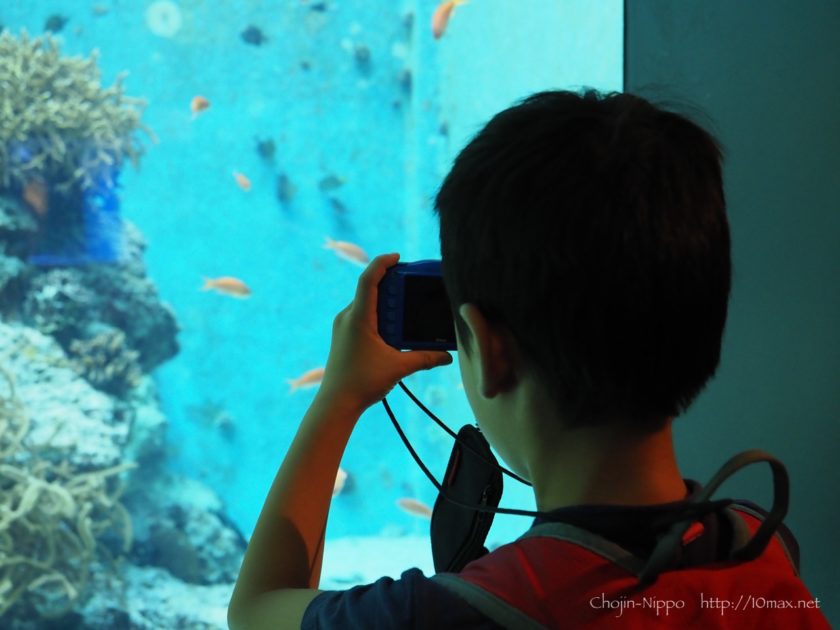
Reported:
(189, 191)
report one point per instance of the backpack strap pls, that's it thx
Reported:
(489, 605)
(593, 542)
(508, 615)
(745, 545)
(741, 533)
(666, 551)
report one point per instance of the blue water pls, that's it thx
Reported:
(390, 147)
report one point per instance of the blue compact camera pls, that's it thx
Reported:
(413, 309)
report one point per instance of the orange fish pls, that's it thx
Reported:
(244, 182)
(37, 197)
(441, 16)
(198, 104)
(306, 380)
(348, 251)
(415, 507)
(228, 286)
(340, 478)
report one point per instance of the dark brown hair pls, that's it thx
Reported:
(594, 228)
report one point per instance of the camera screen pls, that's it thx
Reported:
(427, 315)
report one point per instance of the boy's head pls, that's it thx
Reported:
(593, 229)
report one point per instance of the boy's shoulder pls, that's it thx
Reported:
(421, 599)
(550, 563)
(558, 572)
(413, 600)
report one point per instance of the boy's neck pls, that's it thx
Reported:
(604, 466)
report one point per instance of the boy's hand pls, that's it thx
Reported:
(362, 368)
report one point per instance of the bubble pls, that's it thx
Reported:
(163, 18)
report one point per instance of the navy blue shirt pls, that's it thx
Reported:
(415, 601)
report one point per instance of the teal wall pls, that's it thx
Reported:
(768, 76)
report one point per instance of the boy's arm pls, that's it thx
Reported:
(282, 565)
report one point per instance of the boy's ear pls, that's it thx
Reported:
(493, 352)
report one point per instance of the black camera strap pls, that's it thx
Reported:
(472, 487)
(467, 499)
(458, 532)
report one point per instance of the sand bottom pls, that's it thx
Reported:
(358, 560)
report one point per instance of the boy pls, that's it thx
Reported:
(585, 251)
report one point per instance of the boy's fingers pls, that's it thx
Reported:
(426, 359)
(367, 289)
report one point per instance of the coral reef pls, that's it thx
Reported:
(10, 268)
(74, 427)
(68, 302)
(54, 519)
(81, 410)
(15, 222)
(16, 225)
(69, 419)
(192, 539)
(106, 361)
(57, 123)
(72, 558)
(58, 303)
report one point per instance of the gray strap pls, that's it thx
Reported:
(663, 554)
(744, 545)
(593, 542)
(488, 604)
(742, 533)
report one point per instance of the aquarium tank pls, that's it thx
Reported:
(189, 191)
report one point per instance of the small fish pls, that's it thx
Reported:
(198, 104)
(320, 7)
(330, 182)
(361, 53)
(227, 286)
(415, 507)
(244, 182)
(337, 206)
(435, 395)
(253, 35)
(441, 16)
(340, 478)
(408, 21)
(385, 476)
(214, 415)
(99, 10)
(266, 149)
(306, 380)
(55, 23)
(37, 197)
(285, 188)
(348, 251)
(405, 79)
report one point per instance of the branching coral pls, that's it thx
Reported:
(106, 362)
(52, 519)
(57, 123)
